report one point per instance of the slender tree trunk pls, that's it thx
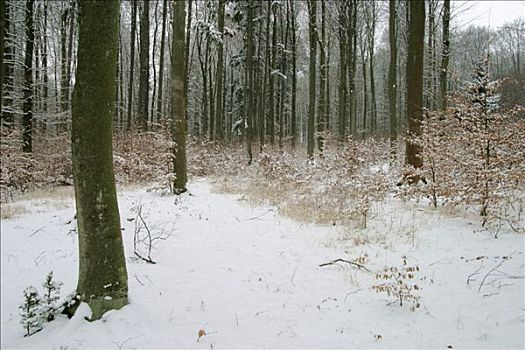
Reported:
(144, 68)
(63, 55)
(322, 82)
(187, 66)
(416, 35)
(212, 99)
(352, 58)
(178, 103)
(249, 81)
(3, 38)
(161, 63)
(371, 55)
(392, 76)
(219, 118)
(343, 68)
(271, 120)
(443, 81)
(69, 61)
(121, 83)
(294, 75)
(312, 34)
(365, 91)
(152, 116)
(45, 72)
(327, 74)
(131, 62)
(102, 279)
(8, 70)
(27, 105)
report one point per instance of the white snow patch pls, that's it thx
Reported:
(250, 279)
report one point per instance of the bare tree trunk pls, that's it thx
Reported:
(27, 105)
(322, 82)
(312, 34)
(219, 118)
(371, 44)
(131, 62)
(294, 75)
(416, 35)
(343, 68)
(271, 117)
(144, 68)
(102, 279)
(69, 61)
(3, 38)
(392, 76)
(45, 72)
(161, 63)
(249, 81)
(63, 55)
(178, 104)
(152, 116)
(8, 69)
(443, 81)
(187, 54)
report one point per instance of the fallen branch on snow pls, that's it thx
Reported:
(345, 261)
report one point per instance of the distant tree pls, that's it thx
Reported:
(416, 35)
(2, 51)
(294, 75)
(27, 106)
(144, 68)
(312, 34)
(219, 118)
(131, 62)
(102, 280)
(443, 81)
(321, 115)
(392, 75)
(249, 80)
(162, 54)
(178, 102)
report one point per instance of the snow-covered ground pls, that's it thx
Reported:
(251, 279)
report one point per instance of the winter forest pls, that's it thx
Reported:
(262, 174)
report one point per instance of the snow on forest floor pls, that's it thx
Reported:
(251, 278)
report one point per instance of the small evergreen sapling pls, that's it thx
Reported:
(50, 306)
(30, 311)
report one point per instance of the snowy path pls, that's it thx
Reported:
(250, 279)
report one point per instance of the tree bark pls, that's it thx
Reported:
(249, 81)
(3, 37)
(415, 56)
(178, 102)
(392, 76)
(27, 105)
(312, 34)
(322, 82)
(144, 68)
(219, 111)
(102, 280)
(443, 81)
(8, 70)
(294, 76)
(132, 62)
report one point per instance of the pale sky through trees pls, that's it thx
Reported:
(493, 13)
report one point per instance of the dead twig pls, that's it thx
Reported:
(474, 273)
(345, 261)
(36, 231)
(505, 258)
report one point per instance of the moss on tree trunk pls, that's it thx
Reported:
(102, 281)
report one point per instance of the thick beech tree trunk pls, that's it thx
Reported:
(102, 280)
